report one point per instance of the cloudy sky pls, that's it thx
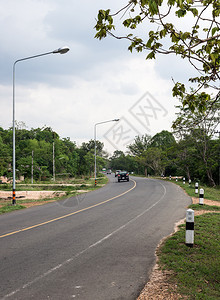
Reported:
(95, 81)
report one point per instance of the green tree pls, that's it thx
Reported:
(201, 127)
(152, 158)
(140, 144)
(45, 133)
(130, 163)
(193, 34)
(118, 160)
(5, 159)
(187, 159)
(90, 146)
(163, 140)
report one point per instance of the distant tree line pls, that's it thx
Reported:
(44, 151)
(162, 155)
(192, 151)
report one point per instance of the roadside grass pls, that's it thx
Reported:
(209, 192)
(9, 208)
(70, 189)
(195, 270)
(205, 207)
(67, 186)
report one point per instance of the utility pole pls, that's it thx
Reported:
(32, 167)
(53, 162)
(218, 158)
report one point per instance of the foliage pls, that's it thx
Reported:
(90, 146)
(187, 28)
(196, 129)
(189, 156)
(34, 151)
(139, 145)
(161, 154)
(163, 140)
(121, 161)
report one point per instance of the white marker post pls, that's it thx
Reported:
(189, 227)
(190, 182)
(176, 178)
(201, 196)
(184, 180)
(196, 187)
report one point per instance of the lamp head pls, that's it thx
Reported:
(62, 50)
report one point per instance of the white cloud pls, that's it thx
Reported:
(94, 82)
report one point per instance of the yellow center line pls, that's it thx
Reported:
(70, 214)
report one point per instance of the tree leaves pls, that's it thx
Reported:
(200, 44)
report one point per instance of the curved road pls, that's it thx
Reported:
(98, 245)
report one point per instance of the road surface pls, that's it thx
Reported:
(99, 245)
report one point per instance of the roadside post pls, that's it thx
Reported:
(184, 180)
(189, 228)
(176, 178)
(170, 177)
(190, 182)
(196, 187)
(201, 196)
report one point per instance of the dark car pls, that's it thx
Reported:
(123, 175)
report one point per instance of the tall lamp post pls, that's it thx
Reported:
(61, 51)
(115, 120)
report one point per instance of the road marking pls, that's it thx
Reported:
(70, 214)
(57, 267)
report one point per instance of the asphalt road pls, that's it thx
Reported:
(100, 245)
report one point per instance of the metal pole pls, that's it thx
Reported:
(53, 163)
(115, 120)
(13, 142)
(61, 51)
(95, 152)
(32, 167)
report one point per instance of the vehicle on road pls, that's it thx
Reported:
(123, 175)
(117, 172)
(109, 171)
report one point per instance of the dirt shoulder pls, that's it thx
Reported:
(33, 198)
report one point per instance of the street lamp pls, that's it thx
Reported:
(115, 120)
(61, 51)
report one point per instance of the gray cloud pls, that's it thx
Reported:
(95, 81)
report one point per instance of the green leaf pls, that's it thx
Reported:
(194, 11)
(180, 13)
(214, 30)
(151, 55)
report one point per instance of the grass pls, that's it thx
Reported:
(57, 186)
(70, 189)
(9, 208)
(204, 207)
(195, 271)
(209, 192)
